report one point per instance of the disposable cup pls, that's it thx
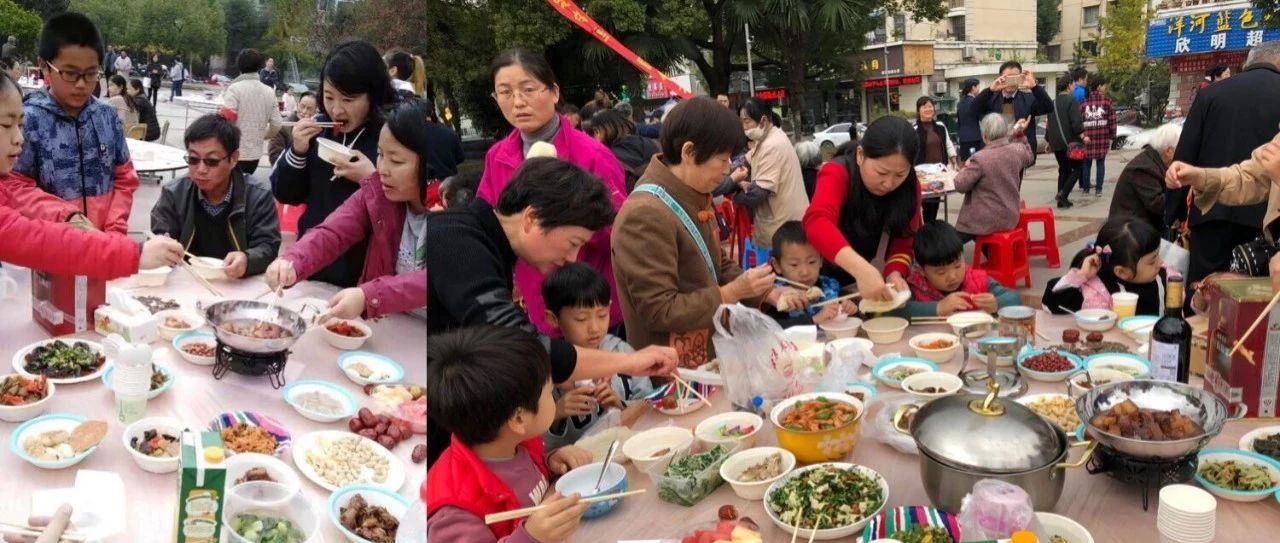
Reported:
(1125, 304)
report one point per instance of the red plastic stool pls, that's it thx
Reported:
(1047, 247)
(1006, 257)
(288, 216)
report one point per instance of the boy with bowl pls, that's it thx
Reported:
(942, 284)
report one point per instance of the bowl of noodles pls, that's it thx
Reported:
(819, 426)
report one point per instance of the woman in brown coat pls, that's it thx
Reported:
(990, 181)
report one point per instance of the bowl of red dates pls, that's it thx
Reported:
(1048, 364)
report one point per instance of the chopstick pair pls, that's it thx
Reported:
(928, 320)
(795, 530)
(27, 531)
(834, 300)
(1266, 312)
(524, 512)
(686, 384)
(187, 266)
(321, 125)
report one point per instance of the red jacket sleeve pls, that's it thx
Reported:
(902, 249)
(116, 219)
(96, 255)
(822, 218)
(23, 194)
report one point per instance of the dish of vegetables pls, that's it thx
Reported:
(923, 534)
(18, 390)
(63, 360)
(819, 414)
(266, 529)
(1241, 476)
(827, 496)
(689, 478)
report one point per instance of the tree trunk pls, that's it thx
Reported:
(794, 59)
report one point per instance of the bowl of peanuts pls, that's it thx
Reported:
(1057, 408)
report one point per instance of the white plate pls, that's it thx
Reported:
(395, 469)
(20, 361)
(1246, 442)
(324, 387)
(389, 369)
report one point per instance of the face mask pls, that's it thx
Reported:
(755, 134)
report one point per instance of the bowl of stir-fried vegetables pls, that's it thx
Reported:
(1236, 475)
(23, 398)
(835, 499)
(819, 426)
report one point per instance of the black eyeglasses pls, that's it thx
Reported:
(209, 162)
(89, 76)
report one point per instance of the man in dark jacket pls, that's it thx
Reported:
(217, 211)
(967, 120)
(1228, 120)
(1015, 95)
(1140, 187)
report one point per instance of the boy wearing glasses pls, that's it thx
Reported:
(216, 210)
(75, 167)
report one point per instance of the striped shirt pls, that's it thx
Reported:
(254, 110)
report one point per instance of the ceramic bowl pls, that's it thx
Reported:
(940, 355)
(657, 444)
(1079, 382)
(820, 445)
(25, 412)
(733, 467)
(582, 481)
(195, 337)
(1048, 376)
(347, 343)
(1096, 320)
(193, 320)
(885, 329)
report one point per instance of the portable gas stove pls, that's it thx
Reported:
(227, 358)
(1152, 474)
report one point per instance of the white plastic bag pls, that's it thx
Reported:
(1174, 257)
(885, 431)
(760, 365)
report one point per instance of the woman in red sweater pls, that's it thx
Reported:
(27, 242)
(862, 195)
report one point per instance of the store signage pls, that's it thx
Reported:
(882, 82)
(772, 94)
(1209, 31)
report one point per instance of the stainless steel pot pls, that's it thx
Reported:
(1200, 405)
(948, 485)
(247, 310)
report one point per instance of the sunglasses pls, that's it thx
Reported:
(209, 162)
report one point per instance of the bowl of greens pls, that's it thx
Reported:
(847, 495)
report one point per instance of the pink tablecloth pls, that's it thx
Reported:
(195, 398)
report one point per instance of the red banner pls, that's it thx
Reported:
(572, 12)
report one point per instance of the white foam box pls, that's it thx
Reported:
(137, 329)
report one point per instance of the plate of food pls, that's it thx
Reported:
(1264, 441)
(367, 514)
(848, 497)
(247, 431)
(891, 371)
(320, 401)
(23, 398)
(366, 368)
(63, 361)
(334, 459)
(57, 441)
(162, 379)
(1236, 475)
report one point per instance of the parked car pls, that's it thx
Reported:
(835, 135)
(1123, 133)
(1143, 137)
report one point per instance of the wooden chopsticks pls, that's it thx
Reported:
(1266, 312)
(27, 531)
(520, 513)
(686, 384)
(834, 300)
(187, 266)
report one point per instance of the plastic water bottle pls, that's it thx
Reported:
(131, 377)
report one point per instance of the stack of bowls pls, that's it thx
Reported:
(1187, 515)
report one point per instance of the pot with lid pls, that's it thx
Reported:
(969, 437)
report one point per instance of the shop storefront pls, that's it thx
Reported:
(1197, 38)
(896, 77)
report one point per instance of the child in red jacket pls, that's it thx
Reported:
(27, 242)
(491, 388)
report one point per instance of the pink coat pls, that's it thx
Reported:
(367, 214)
(579, 149)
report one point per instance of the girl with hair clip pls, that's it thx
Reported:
(1125, 257)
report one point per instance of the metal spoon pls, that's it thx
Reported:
(613, 447)
(1085, 317)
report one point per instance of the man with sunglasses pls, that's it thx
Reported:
(216, 210)
(75, 166)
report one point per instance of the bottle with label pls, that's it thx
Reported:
(1171, 339)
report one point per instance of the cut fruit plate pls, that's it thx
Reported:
(310, 447)
(20, 361)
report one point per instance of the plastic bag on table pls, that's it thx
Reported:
(759, 364)
(885, 431)
(995, 509)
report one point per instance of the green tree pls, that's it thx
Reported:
(45, 8)
(196, 27)
(290, 25)
(1121, 45)
(245, 28)
(1048, 20)
(20, 23)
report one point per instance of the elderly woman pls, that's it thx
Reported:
(670, 272)
(990, 179)
(1140, 187)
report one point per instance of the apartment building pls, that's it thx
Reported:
(1080, 29)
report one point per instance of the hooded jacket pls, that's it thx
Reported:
(74, 165)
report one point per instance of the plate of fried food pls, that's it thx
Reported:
(251, 432)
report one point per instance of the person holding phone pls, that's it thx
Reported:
(1015, 95)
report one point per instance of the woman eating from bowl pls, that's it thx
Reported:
(863, 195)
(28, 241)
(354, 90)
(388, 213)
(671, 273)
(526, 90)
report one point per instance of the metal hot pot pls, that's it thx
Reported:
(1207, 410)
(250, 311)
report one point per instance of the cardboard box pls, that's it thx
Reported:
(1252, 375)
(201, 487)
(63, 304)
(1199, 342)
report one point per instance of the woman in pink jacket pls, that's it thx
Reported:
(526, 91)
(389, 211)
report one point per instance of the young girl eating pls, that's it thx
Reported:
(1125, 257)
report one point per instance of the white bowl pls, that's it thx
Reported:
(40, 425)
(332, 152)
(22, 413)
(949, 383)
(1240, 457)
(271, 499)
(396, 505)
(1101, 376)
(195, 320)
(880, 372)
(885, 329)
(1064, 527)
(349, 404)
(842, 328)
(385, 370)
(828, 533)
(708, 429)
(1246, 442)
(968, 318)
(154, 277)
(346, 343)
(1048, 376)
(940, 356)
(1096, 320)
(1134, 365)
(240, 463)
(195, 337)
(1131, 326)
(208, 268)
(733, 467)
(151, 464)
(642, 447)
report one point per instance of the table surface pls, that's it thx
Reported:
(149, 156)
(1110, 509)
(197, 100)
(196, 398)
